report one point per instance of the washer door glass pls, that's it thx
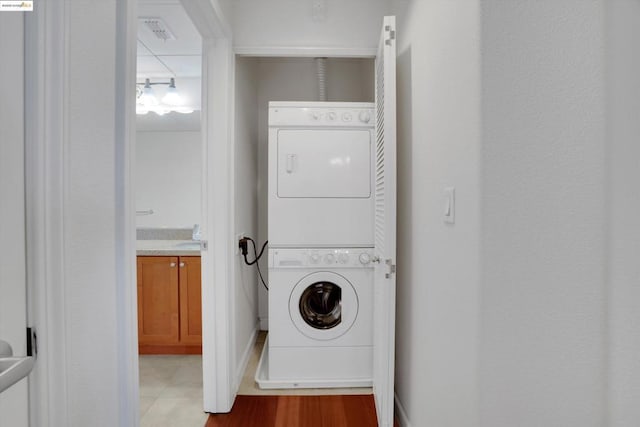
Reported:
(321, 305)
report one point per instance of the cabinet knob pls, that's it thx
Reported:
(173, 264)
(182, 264)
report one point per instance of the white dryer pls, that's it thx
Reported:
(321, 174)
(320, 317)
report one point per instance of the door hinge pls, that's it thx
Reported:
(392, 268)
(392, 35)
(204, 245)
(32, 342)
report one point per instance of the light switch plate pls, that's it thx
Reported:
(449, 205)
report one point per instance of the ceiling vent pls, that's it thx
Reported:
(158, 27)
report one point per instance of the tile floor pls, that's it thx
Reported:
(171, 391)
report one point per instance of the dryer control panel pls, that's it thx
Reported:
(322, 114)
(321, 258)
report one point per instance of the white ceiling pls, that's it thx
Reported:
(160, 60)
(171, 58)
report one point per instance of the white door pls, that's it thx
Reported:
(13, 316)
(385, 225)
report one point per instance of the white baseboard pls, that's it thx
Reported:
(246, 355)
(401, 414)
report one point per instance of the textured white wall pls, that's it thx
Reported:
(246, 201)
(168, 178)
(543, 304)
(13, 304)
(294, 79)
(624, 214)
(532, 319)
(289, 23)
(438, 264)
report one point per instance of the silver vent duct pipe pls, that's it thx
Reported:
(321, 70)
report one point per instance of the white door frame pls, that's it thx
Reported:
(46, 64)
(218, 362)
(13, 304)
(46, 132)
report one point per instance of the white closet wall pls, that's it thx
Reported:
(246, 206)
(348, 25)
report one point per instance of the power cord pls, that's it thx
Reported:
(244, 248)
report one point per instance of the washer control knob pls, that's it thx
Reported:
(330, 258)
(331, 116)
(364, 258)
(343, 258)
(364, 116)
(347, 117)
(315, 115)
(315, 258)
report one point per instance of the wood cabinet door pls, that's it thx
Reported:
(158, 304)
(190, 300)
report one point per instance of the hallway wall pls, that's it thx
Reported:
(542, 354)
(438, 263)
(623, 21)
(556, 297)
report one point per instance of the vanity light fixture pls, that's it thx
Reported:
(146, 99)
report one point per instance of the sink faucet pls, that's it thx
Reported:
(196, 234)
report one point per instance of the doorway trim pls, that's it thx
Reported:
(46, 135)
(217, 299)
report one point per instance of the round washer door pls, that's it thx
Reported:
(323, 305)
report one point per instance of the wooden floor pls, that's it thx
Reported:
(299, 411)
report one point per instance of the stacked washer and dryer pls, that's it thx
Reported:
(320, 230)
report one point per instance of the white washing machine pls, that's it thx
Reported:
(320, 318)
(321, 174)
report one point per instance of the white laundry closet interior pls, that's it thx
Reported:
(258, 81)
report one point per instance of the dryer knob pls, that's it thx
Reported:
(364, 116)
(329, 258)
(315, 116)
(365, 258)
(315, 258)
(331, 116)
(343, 258)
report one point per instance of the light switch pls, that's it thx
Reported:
(449, 209)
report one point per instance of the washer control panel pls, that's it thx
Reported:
(321, 258)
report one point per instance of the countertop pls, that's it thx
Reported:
(167, 248)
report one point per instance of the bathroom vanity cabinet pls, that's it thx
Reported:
(169, 305)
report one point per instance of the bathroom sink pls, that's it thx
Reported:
(189, 245)
(13, 369)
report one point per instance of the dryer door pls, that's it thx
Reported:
(324, 163)
(323, 305)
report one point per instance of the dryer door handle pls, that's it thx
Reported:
(291, 159)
